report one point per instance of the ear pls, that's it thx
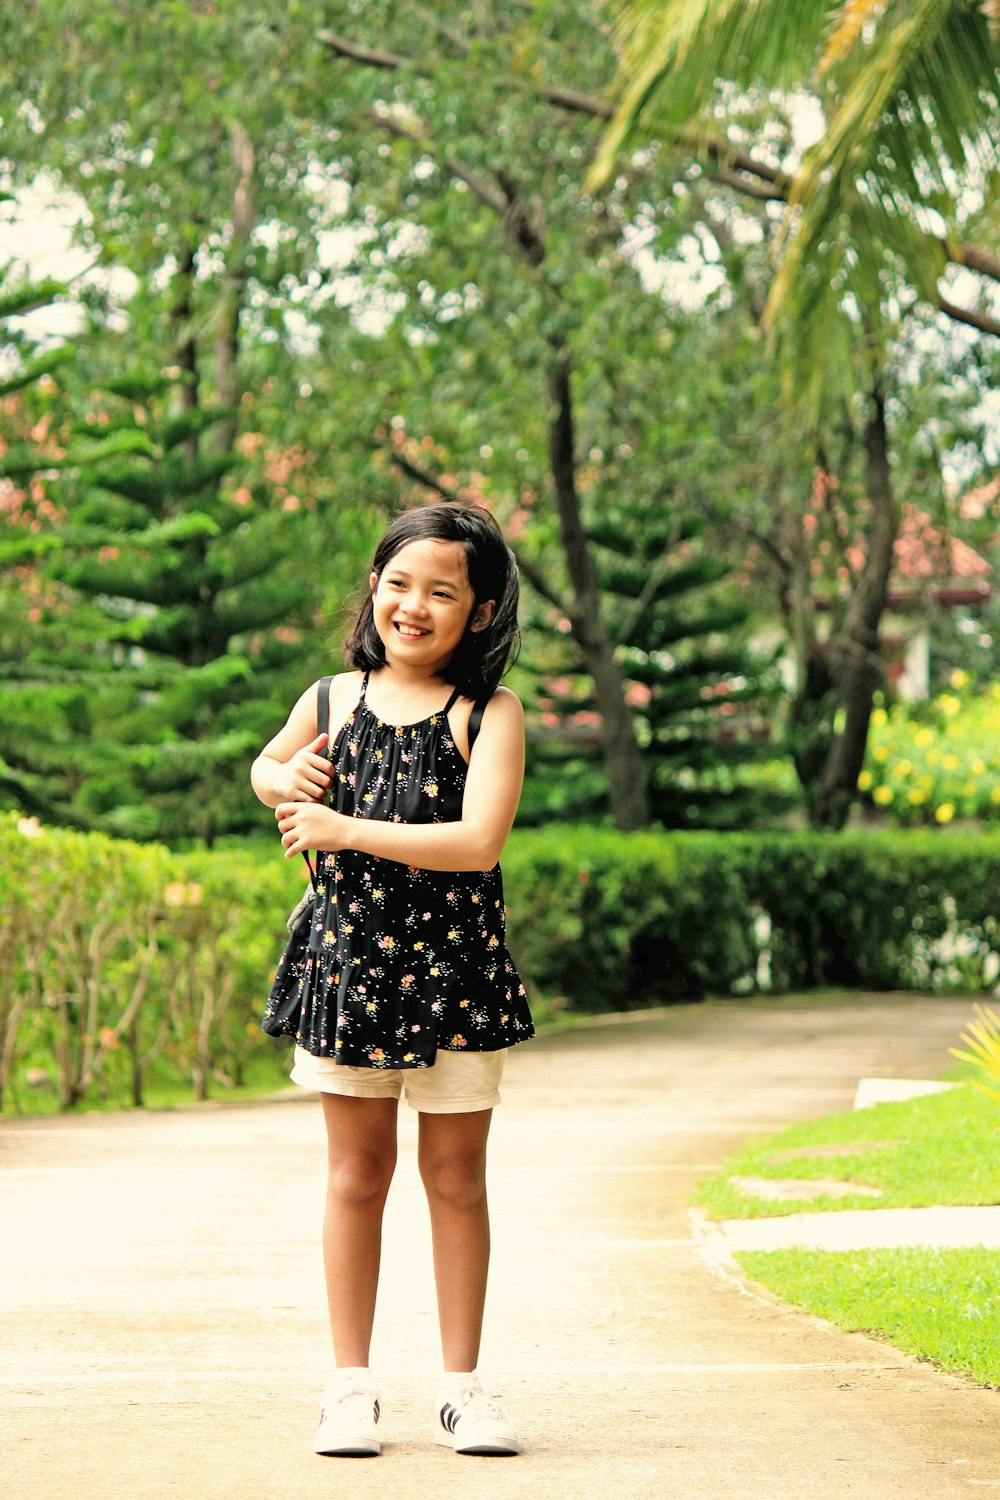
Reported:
(373, 581)
(483, 614)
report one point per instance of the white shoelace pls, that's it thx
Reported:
(475, 1400)
(346, 1389)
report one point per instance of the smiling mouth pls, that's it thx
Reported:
(411, 632)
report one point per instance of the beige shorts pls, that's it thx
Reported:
(458, 1083)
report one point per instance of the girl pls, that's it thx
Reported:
(412, 990)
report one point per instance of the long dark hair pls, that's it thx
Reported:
(482, 656)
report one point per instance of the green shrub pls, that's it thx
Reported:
(117, 956)
(616, 921)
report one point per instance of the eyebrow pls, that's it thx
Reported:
(454, 582)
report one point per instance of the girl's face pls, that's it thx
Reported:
(423, 602)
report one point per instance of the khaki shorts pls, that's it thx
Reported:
(458, 1083)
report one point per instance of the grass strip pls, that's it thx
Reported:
(941, 1305)
(937, 1149)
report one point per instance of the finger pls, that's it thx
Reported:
(317, 744)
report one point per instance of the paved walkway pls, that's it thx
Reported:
(162, 1304)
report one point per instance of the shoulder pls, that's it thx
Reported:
(345, 689)
(504, 705)
(503, 719)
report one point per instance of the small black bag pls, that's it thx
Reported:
(283, 1010)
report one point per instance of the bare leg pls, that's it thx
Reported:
(361, 1134)
(452, 1155)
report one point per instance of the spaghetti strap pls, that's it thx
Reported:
(364, 687)
(451, 702)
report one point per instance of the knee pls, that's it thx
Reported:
(360, 1179)
(457, 1180)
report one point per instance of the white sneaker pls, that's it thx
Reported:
(467, 1419)
(348, 1424)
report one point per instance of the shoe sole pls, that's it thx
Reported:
(357, 1450)
(479, 1450)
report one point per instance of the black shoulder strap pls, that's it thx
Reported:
(476, 717)
(322, 727)
(323, 707)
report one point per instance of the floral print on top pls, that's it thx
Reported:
(403, 960)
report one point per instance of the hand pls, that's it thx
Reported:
(307, 825)
(307, 776)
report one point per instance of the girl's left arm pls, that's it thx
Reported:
(492, 790)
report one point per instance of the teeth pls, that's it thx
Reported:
(410, 630)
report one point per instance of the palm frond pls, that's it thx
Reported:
(673, 52)
(983, 1043)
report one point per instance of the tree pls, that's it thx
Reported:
(510, 361)
(909, 95)
(911, 104)
(174, 532)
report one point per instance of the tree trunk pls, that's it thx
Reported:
(856, 659)
(185, 346)
(227, 321)
(626, 772)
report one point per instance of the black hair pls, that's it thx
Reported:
(482, 656)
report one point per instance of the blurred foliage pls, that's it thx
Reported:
(114, 954)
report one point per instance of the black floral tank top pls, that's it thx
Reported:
(404, 960)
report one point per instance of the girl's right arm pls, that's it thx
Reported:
(292, 767)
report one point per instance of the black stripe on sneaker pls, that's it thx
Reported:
(378, 1409)
(449, 1416)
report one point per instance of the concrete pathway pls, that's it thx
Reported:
(162, 1312)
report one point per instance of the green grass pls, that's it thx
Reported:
(941, 1148)
(942, 1305)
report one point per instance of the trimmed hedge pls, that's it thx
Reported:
(114, 954)
(613, 921)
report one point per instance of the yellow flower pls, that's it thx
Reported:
(924, 737)
(959, 679)
(995, 795)
(916, 795)
(879, 716)
(945, 812)
(950, 705)
(880, 753)
(864, 781)
(978, 766)
(883, 795)
(902, 767)
(949, 762)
